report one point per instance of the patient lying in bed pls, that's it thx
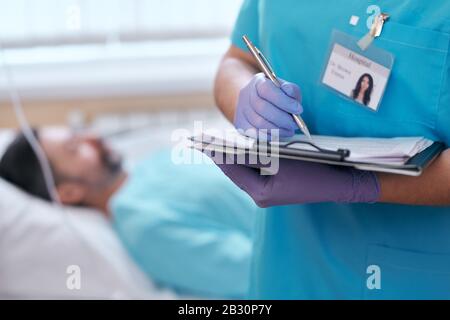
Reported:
(187, 227)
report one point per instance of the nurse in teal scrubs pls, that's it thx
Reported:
(331, 232)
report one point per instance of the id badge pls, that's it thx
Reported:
(357, 75)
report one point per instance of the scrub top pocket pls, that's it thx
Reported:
(409, 275)
(414, 88)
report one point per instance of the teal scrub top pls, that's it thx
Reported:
(188, 227)
(326, 251)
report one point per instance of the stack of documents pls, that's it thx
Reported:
(391, 151)
(371, 150)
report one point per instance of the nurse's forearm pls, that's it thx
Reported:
(235, 71)
(432, 188)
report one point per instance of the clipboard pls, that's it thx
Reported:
(415, 166)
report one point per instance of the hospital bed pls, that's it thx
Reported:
(40, 243)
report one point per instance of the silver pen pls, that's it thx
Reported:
(268, 71)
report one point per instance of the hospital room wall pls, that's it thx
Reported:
(149, 58)
(61, 112)
(111, 81)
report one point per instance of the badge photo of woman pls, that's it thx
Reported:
(363, 90)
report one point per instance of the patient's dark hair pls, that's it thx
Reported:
(20, 166)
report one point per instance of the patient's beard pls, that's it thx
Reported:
(113, 178)
(112, 162)
(100, 200)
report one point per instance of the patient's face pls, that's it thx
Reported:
(80, 158)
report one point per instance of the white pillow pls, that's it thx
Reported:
(6, 136)
(39, 242)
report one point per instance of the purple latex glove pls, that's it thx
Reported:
(261, 105)
(304, 182)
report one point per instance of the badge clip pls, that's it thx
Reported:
(375, 31)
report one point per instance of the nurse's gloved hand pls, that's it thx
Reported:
(303, 182)
(261, 105)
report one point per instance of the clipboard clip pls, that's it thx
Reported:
(341, 153)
